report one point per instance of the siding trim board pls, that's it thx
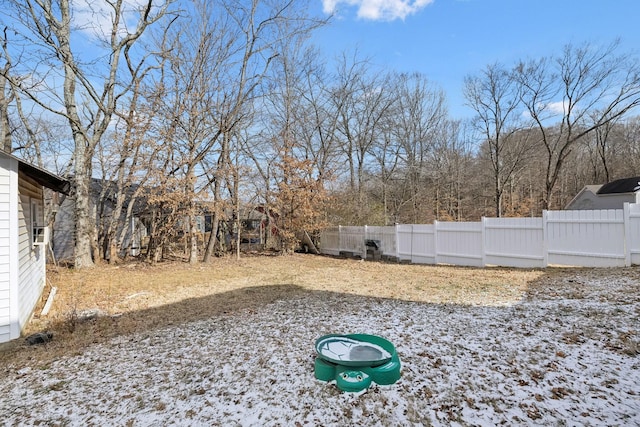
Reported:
(14, 265)
(5, 244)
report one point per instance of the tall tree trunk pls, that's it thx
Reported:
(215, 223)
(82, 159)
(221, 167)
(83, 232)
(213, 238)
(193, 239)
(4, 116)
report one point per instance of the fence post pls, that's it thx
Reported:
(545, 240)
(364, 244)
(483, 247)
(339, 239)
(397, 243)
(435, 242)
(627, 234)
(411, 245)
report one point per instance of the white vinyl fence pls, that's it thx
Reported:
(596, 238)
(632, 237)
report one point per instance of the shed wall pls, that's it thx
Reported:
(590, 201)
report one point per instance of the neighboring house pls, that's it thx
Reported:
(23, 240)
(102, 204)
(254, 225)
(608, 196)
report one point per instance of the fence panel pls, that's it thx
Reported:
(387, 237)
(352, 240)
(459, 243)
(633, 233)
(596, 238)
(588, 238)
(330, 241)
(514, 242)
(417, 243)
(404, 234)
(423, 244)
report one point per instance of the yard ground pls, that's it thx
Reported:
(231, 343)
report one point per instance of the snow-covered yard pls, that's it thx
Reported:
(566, 354)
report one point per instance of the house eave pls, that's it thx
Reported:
(42, 176)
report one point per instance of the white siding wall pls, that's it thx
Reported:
(22, 264)
(5, 244)
(31, 278)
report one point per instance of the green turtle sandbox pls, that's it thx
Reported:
(355, 361)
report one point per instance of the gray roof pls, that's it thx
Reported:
(625, 185)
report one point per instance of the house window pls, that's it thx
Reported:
(39, 233)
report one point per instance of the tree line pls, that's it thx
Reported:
(223, 106)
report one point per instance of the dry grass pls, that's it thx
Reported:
(136, 297)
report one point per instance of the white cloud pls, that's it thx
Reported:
(549, 111)
(557, 107)
(96, 18)
(379, 10)
(329, 6)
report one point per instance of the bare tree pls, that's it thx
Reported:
(494, 97)
(6, 97)
(451, 179)
(419, 115)
(300, 130)
(362, 100)
(129, 152)
(213, 79)
(319, 135)
(563, 94)
(91, 88)
(630, 148)
(605, 140)
(386, 153)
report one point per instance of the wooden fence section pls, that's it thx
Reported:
(597, 238)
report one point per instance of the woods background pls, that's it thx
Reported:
(226, 106)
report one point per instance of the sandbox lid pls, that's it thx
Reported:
(353, 350)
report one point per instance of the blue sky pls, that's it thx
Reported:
(449, 39)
